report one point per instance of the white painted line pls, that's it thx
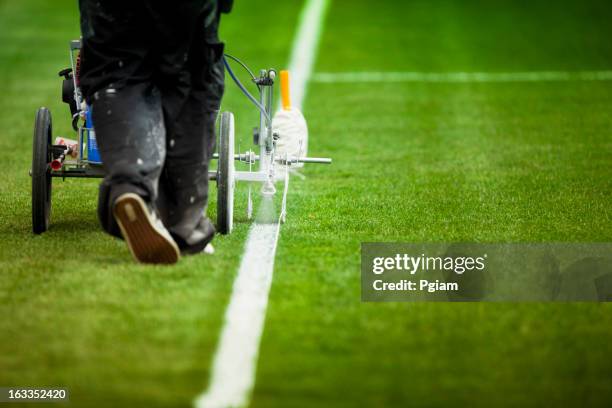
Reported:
(460, 77)
(234, 365)
(304, 49)
(235, 361)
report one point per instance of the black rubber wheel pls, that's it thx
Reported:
(225, 174)
(41, 172)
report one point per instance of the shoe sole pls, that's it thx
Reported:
(145, 242)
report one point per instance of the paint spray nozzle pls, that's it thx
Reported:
(268, 188)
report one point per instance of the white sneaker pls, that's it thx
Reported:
(147, 238)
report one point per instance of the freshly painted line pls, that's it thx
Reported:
(461, 77)
(235, 361)
(233, 368)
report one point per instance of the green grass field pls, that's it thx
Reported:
(413, 162)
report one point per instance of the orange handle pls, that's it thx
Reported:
(285, 97)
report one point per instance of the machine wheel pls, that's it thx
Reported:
(225, 174)
(41, 172)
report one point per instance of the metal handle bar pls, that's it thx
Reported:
(318, 160)
(255, 157)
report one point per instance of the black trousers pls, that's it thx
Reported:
(153, 73)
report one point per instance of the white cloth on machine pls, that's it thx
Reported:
(292, 130)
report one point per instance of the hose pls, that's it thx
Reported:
(246, 93)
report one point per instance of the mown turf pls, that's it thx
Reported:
(78, 312)
(517, 162)
(413, 162)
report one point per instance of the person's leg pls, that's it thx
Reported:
(184, 184)
(115, 78)
(117, 70)
(191, 138)
(131, 138)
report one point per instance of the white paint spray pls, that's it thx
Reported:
(235, 361)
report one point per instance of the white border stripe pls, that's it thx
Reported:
(235, 361)
(460, 77)
(304, 50)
